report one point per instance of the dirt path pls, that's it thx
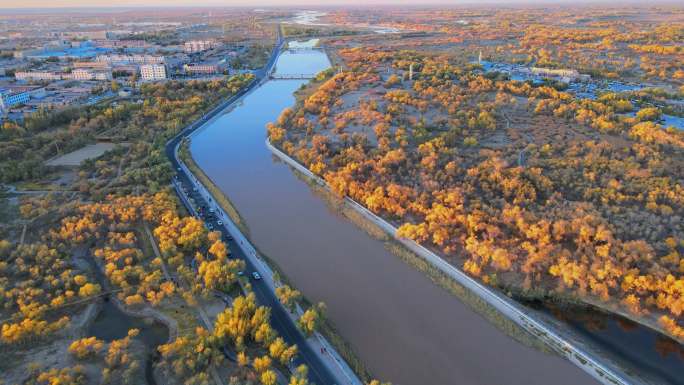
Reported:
(200, 310)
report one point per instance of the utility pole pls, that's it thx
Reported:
(479, 58)
(411, 71)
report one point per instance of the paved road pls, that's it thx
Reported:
(281, 322)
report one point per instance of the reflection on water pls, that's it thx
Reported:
(112, 324)
(301, 62)
(656, 354)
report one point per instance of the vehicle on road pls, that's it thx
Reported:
(220, 223)
(256, 276)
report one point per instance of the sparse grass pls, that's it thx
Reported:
(328, 330)
(145, 243)
(42, 186)
(8, 210)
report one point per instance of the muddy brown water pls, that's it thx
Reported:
(406, 329)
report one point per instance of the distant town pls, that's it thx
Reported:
(88, 61)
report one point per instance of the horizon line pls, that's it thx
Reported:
(382, 3)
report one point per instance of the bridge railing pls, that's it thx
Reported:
(292, 76)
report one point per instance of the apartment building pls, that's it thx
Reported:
(10, 98)
(84, 35)
(153, 72)
(16, 95)
(204, 69)
(86, 74)
(95, 65)
(38, 75)
(113, 44)
(130, 59)
(199, 45)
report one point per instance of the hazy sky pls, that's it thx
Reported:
(123, 3)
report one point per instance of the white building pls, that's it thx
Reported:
(153, 72)
(37, 75)
(86, 74)
(130, 59)
(199, 45)
(84, 35)
(204, 69)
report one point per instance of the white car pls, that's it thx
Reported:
(256, 275)
(220, 223)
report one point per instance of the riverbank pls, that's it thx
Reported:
(221, 199)
(505, 306)
(589, 303)
(273, 276)
(437, 276)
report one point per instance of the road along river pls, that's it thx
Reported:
(405, 328)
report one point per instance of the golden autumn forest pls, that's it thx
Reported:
(538, 150)
(524, 185)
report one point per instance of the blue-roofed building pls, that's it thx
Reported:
(9, 98)
(85, 50)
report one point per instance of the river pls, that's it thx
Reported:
(405, 329)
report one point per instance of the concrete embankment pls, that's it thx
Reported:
(318, 343)
(570, 349)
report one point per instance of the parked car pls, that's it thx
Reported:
(256, 275)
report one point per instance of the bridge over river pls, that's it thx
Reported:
(292, 76)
